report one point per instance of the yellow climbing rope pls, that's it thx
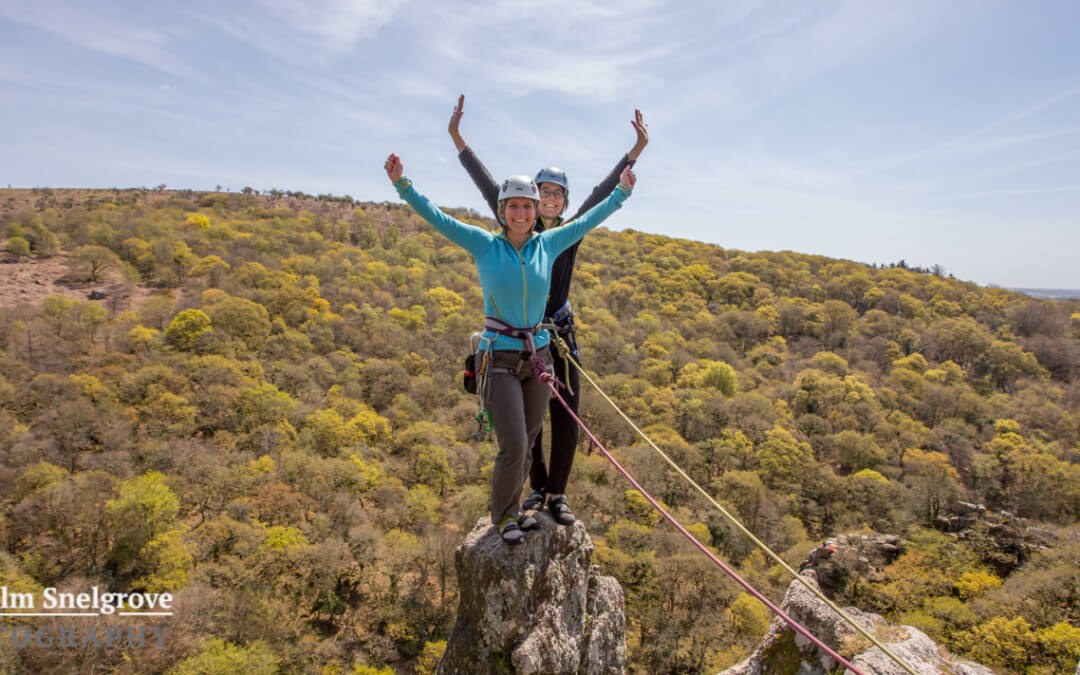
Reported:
(564, 351)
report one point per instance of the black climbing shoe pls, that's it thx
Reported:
(527, 522)
(560, 510)
(510, 532)
(533, 502)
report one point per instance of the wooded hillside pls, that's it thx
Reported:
(264, 416)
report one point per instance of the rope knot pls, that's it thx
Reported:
(540, 369)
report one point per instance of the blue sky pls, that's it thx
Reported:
(940, 133)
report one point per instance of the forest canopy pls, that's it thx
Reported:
(264, 417)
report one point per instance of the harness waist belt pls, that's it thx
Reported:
(563, 312)
(525, 334)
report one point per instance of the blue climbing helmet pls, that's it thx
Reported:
(554, 175)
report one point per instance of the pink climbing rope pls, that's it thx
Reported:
(550, 381)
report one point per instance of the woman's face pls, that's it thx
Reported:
(520, 214)
(552, 200)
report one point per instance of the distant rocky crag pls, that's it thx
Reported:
(539, 607)
(784, 652)
(861, 558)
(1014, 538)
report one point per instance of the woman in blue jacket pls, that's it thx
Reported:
(514, 267)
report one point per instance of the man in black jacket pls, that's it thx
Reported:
(554, 196)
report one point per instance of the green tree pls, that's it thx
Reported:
(187, 328)
(962, 340)
(711, 375)
(145, 508)
(933, 479)
(1001, 642)
(839, 322)
(89, 262)
(1061, 645)
(447, 301)
(263, 404)
(430, 467)
(167, 415)
(225, 658)
(212, 267)
(168, 563)
(245, 320)
(327, 432)
(783, 460)
(854, 451)
(42, 239)
(17, 247)
(36, 477)
(749, 617)
(1007, 362)
(429, 657)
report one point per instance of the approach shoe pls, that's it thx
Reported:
(510, 531)
(560, 510)
(527, 522)
(533, 502)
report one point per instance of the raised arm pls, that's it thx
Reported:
(564, 237)
(608, 184)
(473, 239)
(489, 189)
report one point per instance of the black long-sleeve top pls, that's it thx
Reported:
(563, 271)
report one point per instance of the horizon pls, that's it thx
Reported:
(1036, 293)
(931, 134)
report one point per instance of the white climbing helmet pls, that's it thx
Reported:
(519, 186)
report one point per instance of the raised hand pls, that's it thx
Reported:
(394, 168)
(642, 130)
(455, 123)
(628, 178)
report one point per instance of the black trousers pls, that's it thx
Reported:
(564, 430)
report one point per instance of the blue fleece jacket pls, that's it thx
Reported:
(515, 282)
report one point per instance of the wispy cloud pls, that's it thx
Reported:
(582, 50)
(770, 50)
(975, 141)
(107, 32)
(309, 33)
(337, 25)
(1017, 192)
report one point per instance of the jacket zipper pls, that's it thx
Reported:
(524, 292)
(524, 288)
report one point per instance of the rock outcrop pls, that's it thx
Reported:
(845, 556)
(539, 607)
(785, 652)
(1015, 539)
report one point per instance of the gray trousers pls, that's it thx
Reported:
(517, 401)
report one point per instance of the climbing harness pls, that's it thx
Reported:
(564, 351)
(562, 328)
(563, 313)
(478, 378)
(548, 379)
(526, 335)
